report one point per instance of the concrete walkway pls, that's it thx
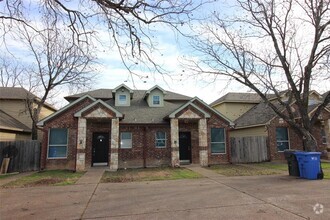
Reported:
(274, 197)
(92, 176)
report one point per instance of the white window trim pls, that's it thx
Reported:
(121, 138)
(225, 142)
(67, 143)
(287, 129)
(160, 139)
(158, 100)
(324, 136)
(121, 102)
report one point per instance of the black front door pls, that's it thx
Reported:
(100, 148)
(185, 146)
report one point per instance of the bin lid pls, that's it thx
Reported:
(306, 153)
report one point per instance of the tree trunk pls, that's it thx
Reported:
(34, 133)
(309, 142)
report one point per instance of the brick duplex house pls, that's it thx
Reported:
(125, 128)
(253, 117)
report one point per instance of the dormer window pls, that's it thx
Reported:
(122, 99)
(156, 100)
(155, 96)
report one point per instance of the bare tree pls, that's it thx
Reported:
(271, 46)
(130, 24)
(10, 72)
(54, 61)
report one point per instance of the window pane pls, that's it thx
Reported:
(58, 136)
(281, 134)
(122, 99)
(160, 143)
(156, 100)
(217, 135)
(57, 151)
(126, 140)
(218, 148)
(160, 135)
(281, 146)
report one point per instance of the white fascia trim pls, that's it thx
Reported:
(118, 114)
(42, 122)
(214, 110)
(172, 115)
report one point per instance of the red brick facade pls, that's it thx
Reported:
(144, 152)
(295, 141)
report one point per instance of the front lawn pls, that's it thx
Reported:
(148, 174)
(243, 170)
(46, 178)
(3, 176)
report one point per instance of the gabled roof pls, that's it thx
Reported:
(206, 115)
(262, 114)
(118, 114)
(238, 97)
(41, 123)
(7, 122)
(123, 86)
(106, 94)
(191, 102)
(19, 93)
(153, 88)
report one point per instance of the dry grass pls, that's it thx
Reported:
(148, 174)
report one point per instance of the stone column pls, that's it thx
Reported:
(81, 145)
(114, 144)
(202, 137)
(175, 157)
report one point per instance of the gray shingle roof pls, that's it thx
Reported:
(138, 111)
(19, 93)
(138, 94)
(259, 114)
(15, 93)
(9, 123)
(238, 97)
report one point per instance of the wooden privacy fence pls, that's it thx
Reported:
(249, 149)
(25, 155)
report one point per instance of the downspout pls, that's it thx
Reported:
(144, 151)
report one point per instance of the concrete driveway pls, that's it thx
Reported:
(212, 197)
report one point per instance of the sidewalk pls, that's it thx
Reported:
(92, 176)
(202, 171)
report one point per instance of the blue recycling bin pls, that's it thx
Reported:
(309, 164)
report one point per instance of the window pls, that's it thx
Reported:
(58, 142)
(218, 141)
(126, 140)
(156, 100)
(160, 139)
(324, 136)
(282, 139)
(122, 99)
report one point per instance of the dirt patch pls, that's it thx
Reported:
(145, 174)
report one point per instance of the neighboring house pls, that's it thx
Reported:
(15, 120)
(261, 120)
(125, 128)
(233, 105)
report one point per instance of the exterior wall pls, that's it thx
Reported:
(161, 98)
(16, 109)
(10, 136)
(249, 132)
(64, 120)
(295, 142)
(216, 122)
(95, 126)
(144, 152)
(233, 110)
(192, 127)
(122, 91)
